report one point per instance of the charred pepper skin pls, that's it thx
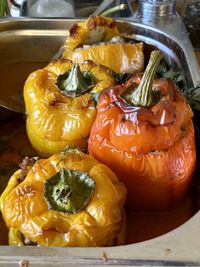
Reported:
(55, 120)
(99, 223)
(150, 148)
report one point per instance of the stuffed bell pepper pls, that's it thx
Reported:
(99, 40)
(69, 199)
(144, 132)
(60, 103)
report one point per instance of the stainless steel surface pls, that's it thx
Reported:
(157, 8)
(172, 32)
(177, 248)
(37, 40)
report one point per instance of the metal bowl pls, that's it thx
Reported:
(34, 42)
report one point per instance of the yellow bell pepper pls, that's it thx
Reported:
(60, 110)
(93, 30)
(99, 40)
(69, 199)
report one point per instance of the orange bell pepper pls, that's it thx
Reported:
(144, 132)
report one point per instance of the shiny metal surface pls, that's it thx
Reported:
(171, 33)
(38, 40)
(157, 8)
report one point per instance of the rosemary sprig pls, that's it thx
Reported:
(69, 150)
(191, 93)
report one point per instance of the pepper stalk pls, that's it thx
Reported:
(68, 190)
(143, 94)
(111, 10)
(75, 82)
(4, 8)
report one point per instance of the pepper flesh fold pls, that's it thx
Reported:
(26, 212)
(93, 40)
(55, 120)
(151, 149)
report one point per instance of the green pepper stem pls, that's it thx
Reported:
(68, 190)
(75, 82)
(142, 95)
(4, 8)
(113, 9)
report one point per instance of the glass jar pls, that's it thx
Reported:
(156, 8)
(48, 8)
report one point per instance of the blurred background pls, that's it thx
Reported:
(65, 8)
(189, 10)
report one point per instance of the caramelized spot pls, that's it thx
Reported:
(27, 162)
(90, 63)
(74, 31)
(93, 22)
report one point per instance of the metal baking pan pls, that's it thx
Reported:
(28, 44)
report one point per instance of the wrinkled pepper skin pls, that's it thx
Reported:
(26, 212)
(151, 149)
(90, 40)
(55, 120)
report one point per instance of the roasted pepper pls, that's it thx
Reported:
(60, 103)
(69, 199)
(98, 39)
(144, 132)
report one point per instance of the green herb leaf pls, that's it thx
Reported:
(121, 77)
(163, 71)
(69, 150)
(95, 97)
(193, 97)
(75, 82)
(68, 191)
(191, 93)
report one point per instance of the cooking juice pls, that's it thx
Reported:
(14, 146)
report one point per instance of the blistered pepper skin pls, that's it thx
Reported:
(24, 208)
(151, 149)
(55, 120)
(89, 40)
